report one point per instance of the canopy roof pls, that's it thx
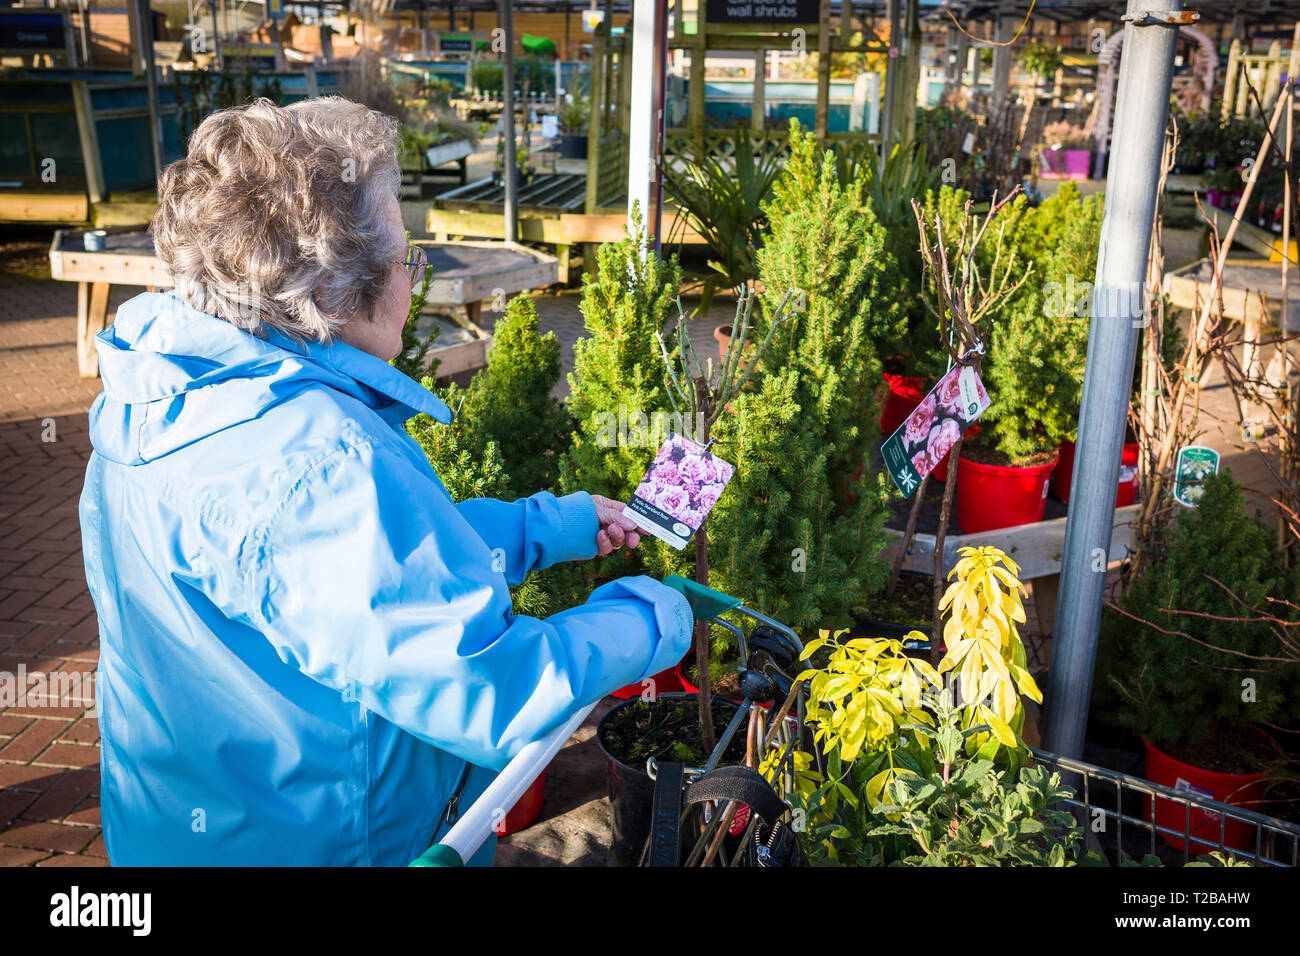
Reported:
(1263, 12)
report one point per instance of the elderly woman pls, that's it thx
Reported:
(307, 650)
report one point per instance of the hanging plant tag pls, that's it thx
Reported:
(1195, 464)
(919, 444)
(679, 489)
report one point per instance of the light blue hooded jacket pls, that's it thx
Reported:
(302, 638)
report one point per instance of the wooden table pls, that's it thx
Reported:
(127, 259)
(465, 274)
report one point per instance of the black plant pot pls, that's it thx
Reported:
(573, 147)
(631, 791)
(871, 626)
(521, 180)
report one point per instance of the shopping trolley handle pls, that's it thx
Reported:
(706, 603)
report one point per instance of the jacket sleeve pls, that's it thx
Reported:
(371, 582)
(535, 532)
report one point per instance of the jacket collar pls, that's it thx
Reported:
(393, 395)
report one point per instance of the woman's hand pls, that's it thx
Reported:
(616, 531)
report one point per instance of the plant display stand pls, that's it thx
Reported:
(1186, 823)
(457, 152)
(465, 274)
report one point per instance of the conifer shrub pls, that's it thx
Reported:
(803, 534)
(620, 409)
(1179, 653)
(467, 466)
(509, 431)
(508, 405)
(1034, 366)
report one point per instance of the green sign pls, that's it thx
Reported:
(1195, 464)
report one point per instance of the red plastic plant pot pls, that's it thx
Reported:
(1245, 790)
(1126, 492)
(1000, 496)
(665, 682)
(1128, 476)
(905, 393)
(526, 811)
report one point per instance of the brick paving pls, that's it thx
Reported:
(49, 747)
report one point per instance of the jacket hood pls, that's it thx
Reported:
(173, 375)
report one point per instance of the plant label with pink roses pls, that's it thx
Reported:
(919, 444)
(680, 487)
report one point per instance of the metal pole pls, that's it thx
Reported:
(649, 18)
(508, 123)
(660, 88)
(1146, 71)
(144, 63)
(891, 80)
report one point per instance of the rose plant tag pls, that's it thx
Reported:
(679, 489)
(919, 444)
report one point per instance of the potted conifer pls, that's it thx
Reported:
(573, 126)
(1033, 367)
(1198, 667)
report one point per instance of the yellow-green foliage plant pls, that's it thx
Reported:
(924, 765)
(983, 607)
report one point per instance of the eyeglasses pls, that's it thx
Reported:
(416, 262)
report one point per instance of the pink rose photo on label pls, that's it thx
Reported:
(680, 487)
(673, 501)
(928, 434)
(917, 426)
(664, 472)
(942, 437)
(691, 471)
(949, 395)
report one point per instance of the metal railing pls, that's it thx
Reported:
(1118, 814)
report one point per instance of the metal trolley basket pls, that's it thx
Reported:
(1118, 814)
(770, 653)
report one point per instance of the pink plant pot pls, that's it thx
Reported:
(1065, 163)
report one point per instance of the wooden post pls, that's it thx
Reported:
(92, 318)
(952, 61)
(758, 111)
(1272, 74)
(695, 96)
(1242, 105)
(1230, 78)
(821, 116)
(1002, 64)
(595, 128)
(89, 142)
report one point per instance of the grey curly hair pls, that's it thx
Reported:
(274, 218)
